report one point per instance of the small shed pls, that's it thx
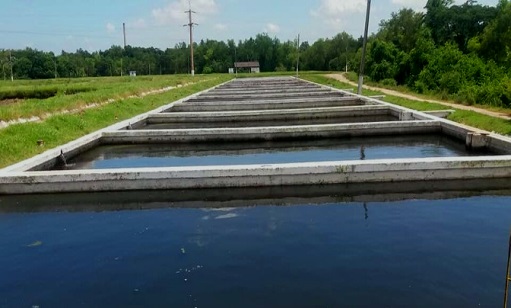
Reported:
(252, 66)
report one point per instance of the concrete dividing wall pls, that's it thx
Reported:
(268, 114)
(261, 100)
(377, 171)
(270, 133)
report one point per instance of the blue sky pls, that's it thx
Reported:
(55, 25)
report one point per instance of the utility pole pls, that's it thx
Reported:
(364, 50)
(346, 58)
(236, 60)
(11, 62)
(191, 24)
(124, 33)
(298, 58)
(122, 52)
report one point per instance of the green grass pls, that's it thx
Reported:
(71, 94)
(470, 118)
(352, 76)
(18, 142)
(320, 78)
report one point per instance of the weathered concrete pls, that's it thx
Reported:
(268, 115)
(271, 133)
(440, 113)
(222, 92)
(269, 97)
(380, 171)
(296, 103)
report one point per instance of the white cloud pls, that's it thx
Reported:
(419, 4)
(139, 24)
(272, 28)
(335, 12)
(221, 27)
(110, 28)
(174, 12)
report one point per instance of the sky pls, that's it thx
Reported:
(56, 25)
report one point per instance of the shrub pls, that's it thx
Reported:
(389, 82)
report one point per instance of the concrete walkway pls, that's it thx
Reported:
(501, 115)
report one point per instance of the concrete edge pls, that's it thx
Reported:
(384, 171)
(92, 137)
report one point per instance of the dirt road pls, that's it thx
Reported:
(342, 78)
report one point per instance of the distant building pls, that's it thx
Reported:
(133, 73)
(252, 67)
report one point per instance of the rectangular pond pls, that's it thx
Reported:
(78, 250)
(272, 152)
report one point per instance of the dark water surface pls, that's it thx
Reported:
(415, 253)
(172, 155)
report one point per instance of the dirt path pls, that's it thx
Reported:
(342, 78)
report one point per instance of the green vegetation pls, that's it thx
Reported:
(470, 118)
(455, 52)
(71, 94)
(18, 142)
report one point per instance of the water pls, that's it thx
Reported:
(342, 120)
(412, 253)
(167, 155)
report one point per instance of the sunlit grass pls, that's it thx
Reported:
(470, 118)
(18, 142)
(71, 94)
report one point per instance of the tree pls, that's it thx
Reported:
(402, 29)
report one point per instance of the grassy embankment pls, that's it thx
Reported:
(470, 118)
(18, 142)
(353, 77)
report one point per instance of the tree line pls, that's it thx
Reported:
(210, 56)
(462, 52)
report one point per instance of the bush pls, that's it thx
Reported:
(467, 95)
(389, 82)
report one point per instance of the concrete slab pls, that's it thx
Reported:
(270, 133)
(285, 103)
(267, 115)
(377, 171)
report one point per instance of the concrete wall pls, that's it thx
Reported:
(376, 171)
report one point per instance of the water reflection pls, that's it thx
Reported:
(219, 203)
(273, 152)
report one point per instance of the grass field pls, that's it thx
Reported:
(37, 98)
(19, 141)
